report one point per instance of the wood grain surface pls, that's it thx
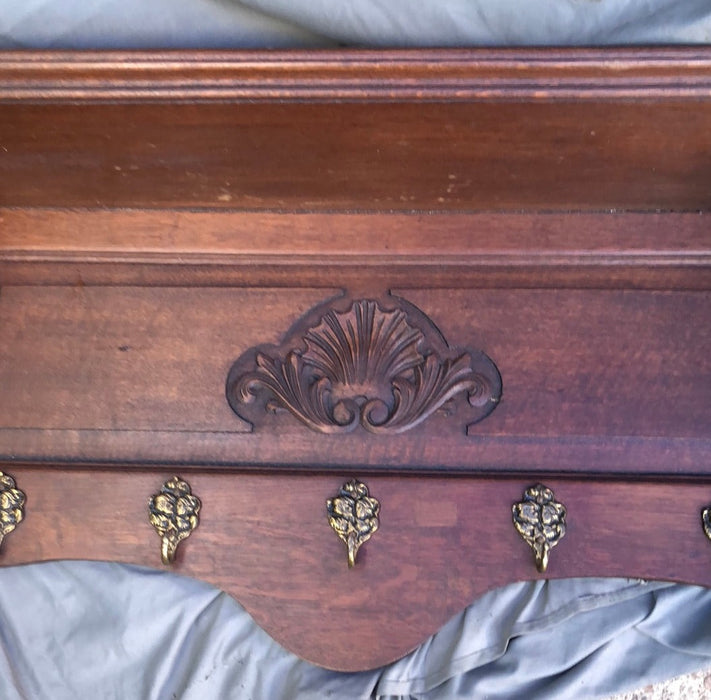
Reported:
(366, 251)
(545, 130)
(593, 380)
(306, 157)
(162, 213)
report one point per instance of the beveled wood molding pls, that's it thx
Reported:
(223, 248)
(355, 75)
(380, 364)
(456, 131)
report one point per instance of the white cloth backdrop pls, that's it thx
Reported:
(302, 23)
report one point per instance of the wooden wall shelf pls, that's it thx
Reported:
(161, 214)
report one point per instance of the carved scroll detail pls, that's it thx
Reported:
(385, 369)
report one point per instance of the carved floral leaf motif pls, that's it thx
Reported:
(366, 366)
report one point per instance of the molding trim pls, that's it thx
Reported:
(355, 75)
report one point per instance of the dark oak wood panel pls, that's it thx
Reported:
(594, 380)
(441, 543)
(641, 155)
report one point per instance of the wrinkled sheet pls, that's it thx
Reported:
(93, 630)
(77, 24)
(112, 631)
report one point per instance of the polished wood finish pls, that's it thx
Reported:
(502, 130)
(160, 214)
(359, 251)
(353, 156)
(131, 374)
(372, 76)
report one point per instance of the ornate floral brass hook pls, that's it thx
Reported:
(706, 521)
(353, 514)
(12, 505)
(540, 520)
(173, 512)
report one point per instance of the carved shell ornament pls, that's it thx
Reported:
(380, 365)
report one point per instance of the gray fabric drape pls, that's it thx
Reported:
(84, 629)
(77, 24)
